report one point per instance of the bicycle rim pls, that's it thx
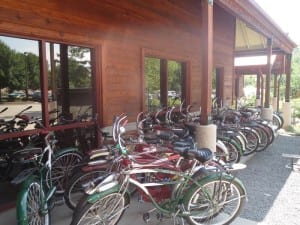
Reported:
(106, 211)
(252, 141)
(61, 170)
(75, 189)
(34, 214)
(216, 202)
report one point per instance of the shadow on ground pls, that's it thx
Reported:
(266, 175)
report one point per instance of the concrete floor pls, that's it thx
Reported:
(61, 215)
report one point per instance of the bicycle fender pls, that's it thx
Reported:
(98, 195)
(22, 201)
(66, 150)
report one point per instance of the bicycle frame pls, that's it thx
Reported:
(171, 206)
(39, 177)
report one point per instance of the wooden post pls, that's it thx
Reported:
(275, 86)
(278, 91)
(262, 90)
(258, 76)
(44, 82)
(275, 102)
(65, 80)
(207, 59)
(164, 82)
(288, 77)
(237, 89)
(268, 75)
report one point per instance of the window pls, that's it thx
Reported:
(69, 79)
(19, 79)
(164, 83)
(66, 80)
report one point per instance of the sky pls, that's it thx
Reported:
(286, 14)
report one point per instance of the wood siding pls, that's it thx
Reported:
(224, 36)
(124, 31)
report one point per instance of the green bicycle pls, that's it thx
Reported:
(214, 199)
(34, 198)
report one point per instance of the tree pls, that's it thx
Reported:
(79, 68)
(6, 61)
(295, 77)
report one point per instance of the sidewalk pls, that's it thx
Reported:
(273, 192)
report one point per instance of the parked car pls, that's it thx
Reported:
(37, 96)
(16, 95)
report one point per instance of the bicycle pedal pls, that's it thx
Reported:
(159, 216)
(146, 217)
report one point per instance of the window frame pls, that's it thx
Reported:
(164, 58)
(96, 86)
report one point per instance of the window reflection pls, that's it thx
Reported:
(164, 83)
(70, 81)
(19, 80)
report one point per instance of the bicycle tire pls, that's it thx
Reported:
(252, 141)
(269, 131)
(33, 213)
(234, 150)
(62, 168)
(214, 196)
(74, 190)
(264, 139)
(108, 209)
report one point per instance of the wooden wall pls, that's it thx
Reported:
(123, 32)
(224, 41)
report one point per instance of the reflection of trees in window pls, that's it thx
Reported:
(68, 69)
(70, 78)
(18, 71)
(79, 67)
(157, 85)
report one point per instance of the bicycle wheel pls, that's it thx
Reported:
(252, 141)
(269, 130)
(264, 139)
(62, 168)
(74, 189)
(234, 152)
(216, 201)
(106, 210)
(34, 208)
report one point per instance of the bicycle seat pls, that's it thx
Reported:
(202, 155)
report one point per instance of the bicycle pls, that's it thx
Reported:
(182, 194)
(34, 197)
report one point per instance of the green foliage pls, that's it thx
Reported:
(295, 79)
(174, 76)
(21, 71)
(152, 71)
(6, 64)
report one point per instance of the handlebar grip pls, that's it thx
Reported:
(3, 110)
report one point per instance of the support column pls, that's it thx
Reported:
(267, 110)
(262, 84)
(206, 79)
(287, 110)
(164, 82)
(258, 90)
(237, 89)
(207, 60)
(278, 91)
(275, 93)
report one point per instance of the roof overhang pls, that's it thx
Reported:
(254, 27)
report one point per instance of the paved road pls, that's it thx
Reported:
(16, 107)
(273, 189)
